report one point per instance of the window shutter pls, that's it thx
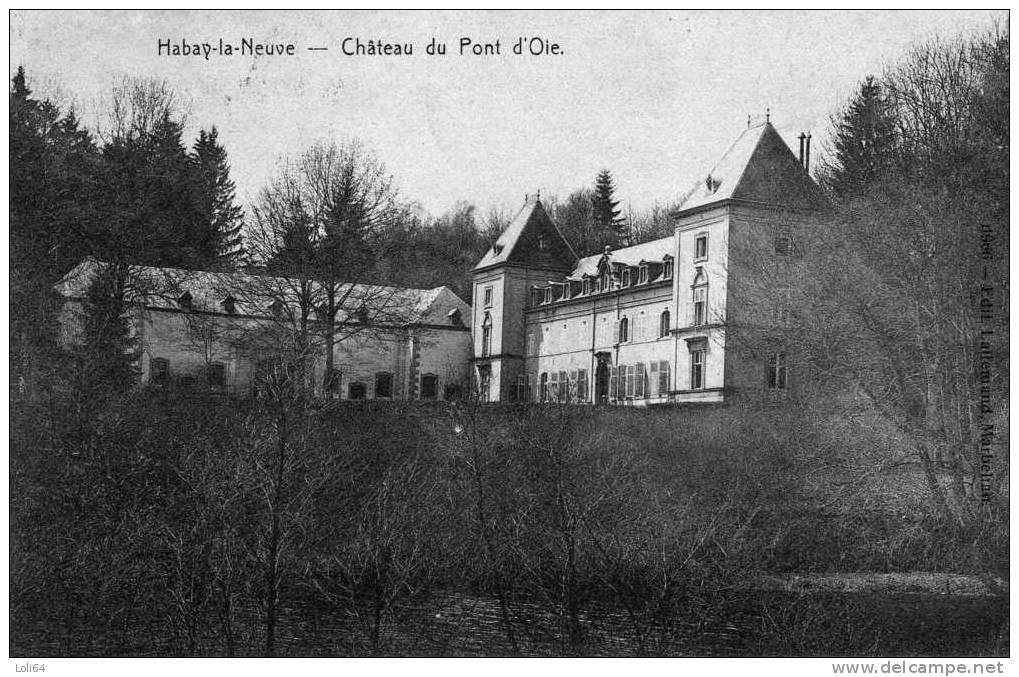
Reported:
(615, 332)
(663, 378)
(630, 372)
(638, 382)
(613, 373)
(653, 382)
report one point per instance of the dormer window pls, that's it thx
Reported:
(605, 279)
(186, 301)
(566, 291)
(497, 249)
(548, 294)
(667, 269)
(455, 318)
(626, 278)
(643, 275)
(276, 307)
(587, 286)
(542, 243)
(229, 305)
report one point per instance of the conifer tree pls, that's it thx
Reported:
(221, 219)
(604, 209)
(864, 143)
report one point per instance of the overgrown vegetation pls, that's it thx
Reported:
(274, 527)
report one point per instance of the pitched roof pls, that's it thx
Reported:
(655, 250)
(519, 242)
(758, 167)
(254, 294)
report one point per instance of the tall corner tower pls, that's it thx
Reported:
(531, 251)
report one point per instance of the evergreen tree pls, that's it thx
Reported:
(53, 165)
(108, 353)
(604, 209)
(864, 144)
(219, 243)
(152, 192)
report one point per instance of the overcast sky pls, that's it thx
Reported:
(655, 97)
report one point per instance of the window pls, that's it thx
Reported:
(783, 245)
(643, 275)
(186, 301)
(605, 279)
(488, 297)
(777, 371)
(159, 371)
(523, 387)
(700, 248)
(564, 387)
(543, 394)
(334, 383)
(357, 391)
(276, 307)
(587, 286)
(700, 298)
(383, 385)
(216, 375)
(187, 381)
(624, 330)
(454, 318)
(582, 385)
(566, 291)
(658, 383)
(543, 243)
(548, 294)
(429, 387)
(484, 382)
(631, 373)
(667, 269)
(229, 305)
(532, 343)
(553, 387)
(613, 379)
(663, 377)
(663, 324)
(486, 336)
(626, 277)
(697, 368)
(638, 381)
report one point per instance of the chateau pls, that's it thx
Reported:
(685, 318)
(656, 322)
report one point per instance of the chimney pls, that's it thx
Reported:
(806, 157)
(803, 138)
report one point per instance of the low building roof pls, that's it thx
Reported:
(254, 294)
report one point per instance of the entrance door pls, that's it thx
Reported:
(601, 382)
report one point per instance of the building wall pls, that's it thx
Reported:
(569, 335)
(191, 342)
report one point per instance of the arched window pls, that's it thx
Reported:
(663, 324)
(624, 330)
(384, 385)
(700, 298)
(486, 336)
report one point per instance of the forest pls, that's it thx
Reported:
(144, 524)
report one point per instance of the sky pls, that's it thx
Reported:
(656, 97)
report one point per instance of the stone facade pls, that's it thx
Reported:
(398, 344)
(655, 322)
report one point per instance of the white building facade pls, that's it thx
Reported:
(647, 324)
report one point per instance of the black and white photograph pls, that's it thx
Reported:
(506, 334)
